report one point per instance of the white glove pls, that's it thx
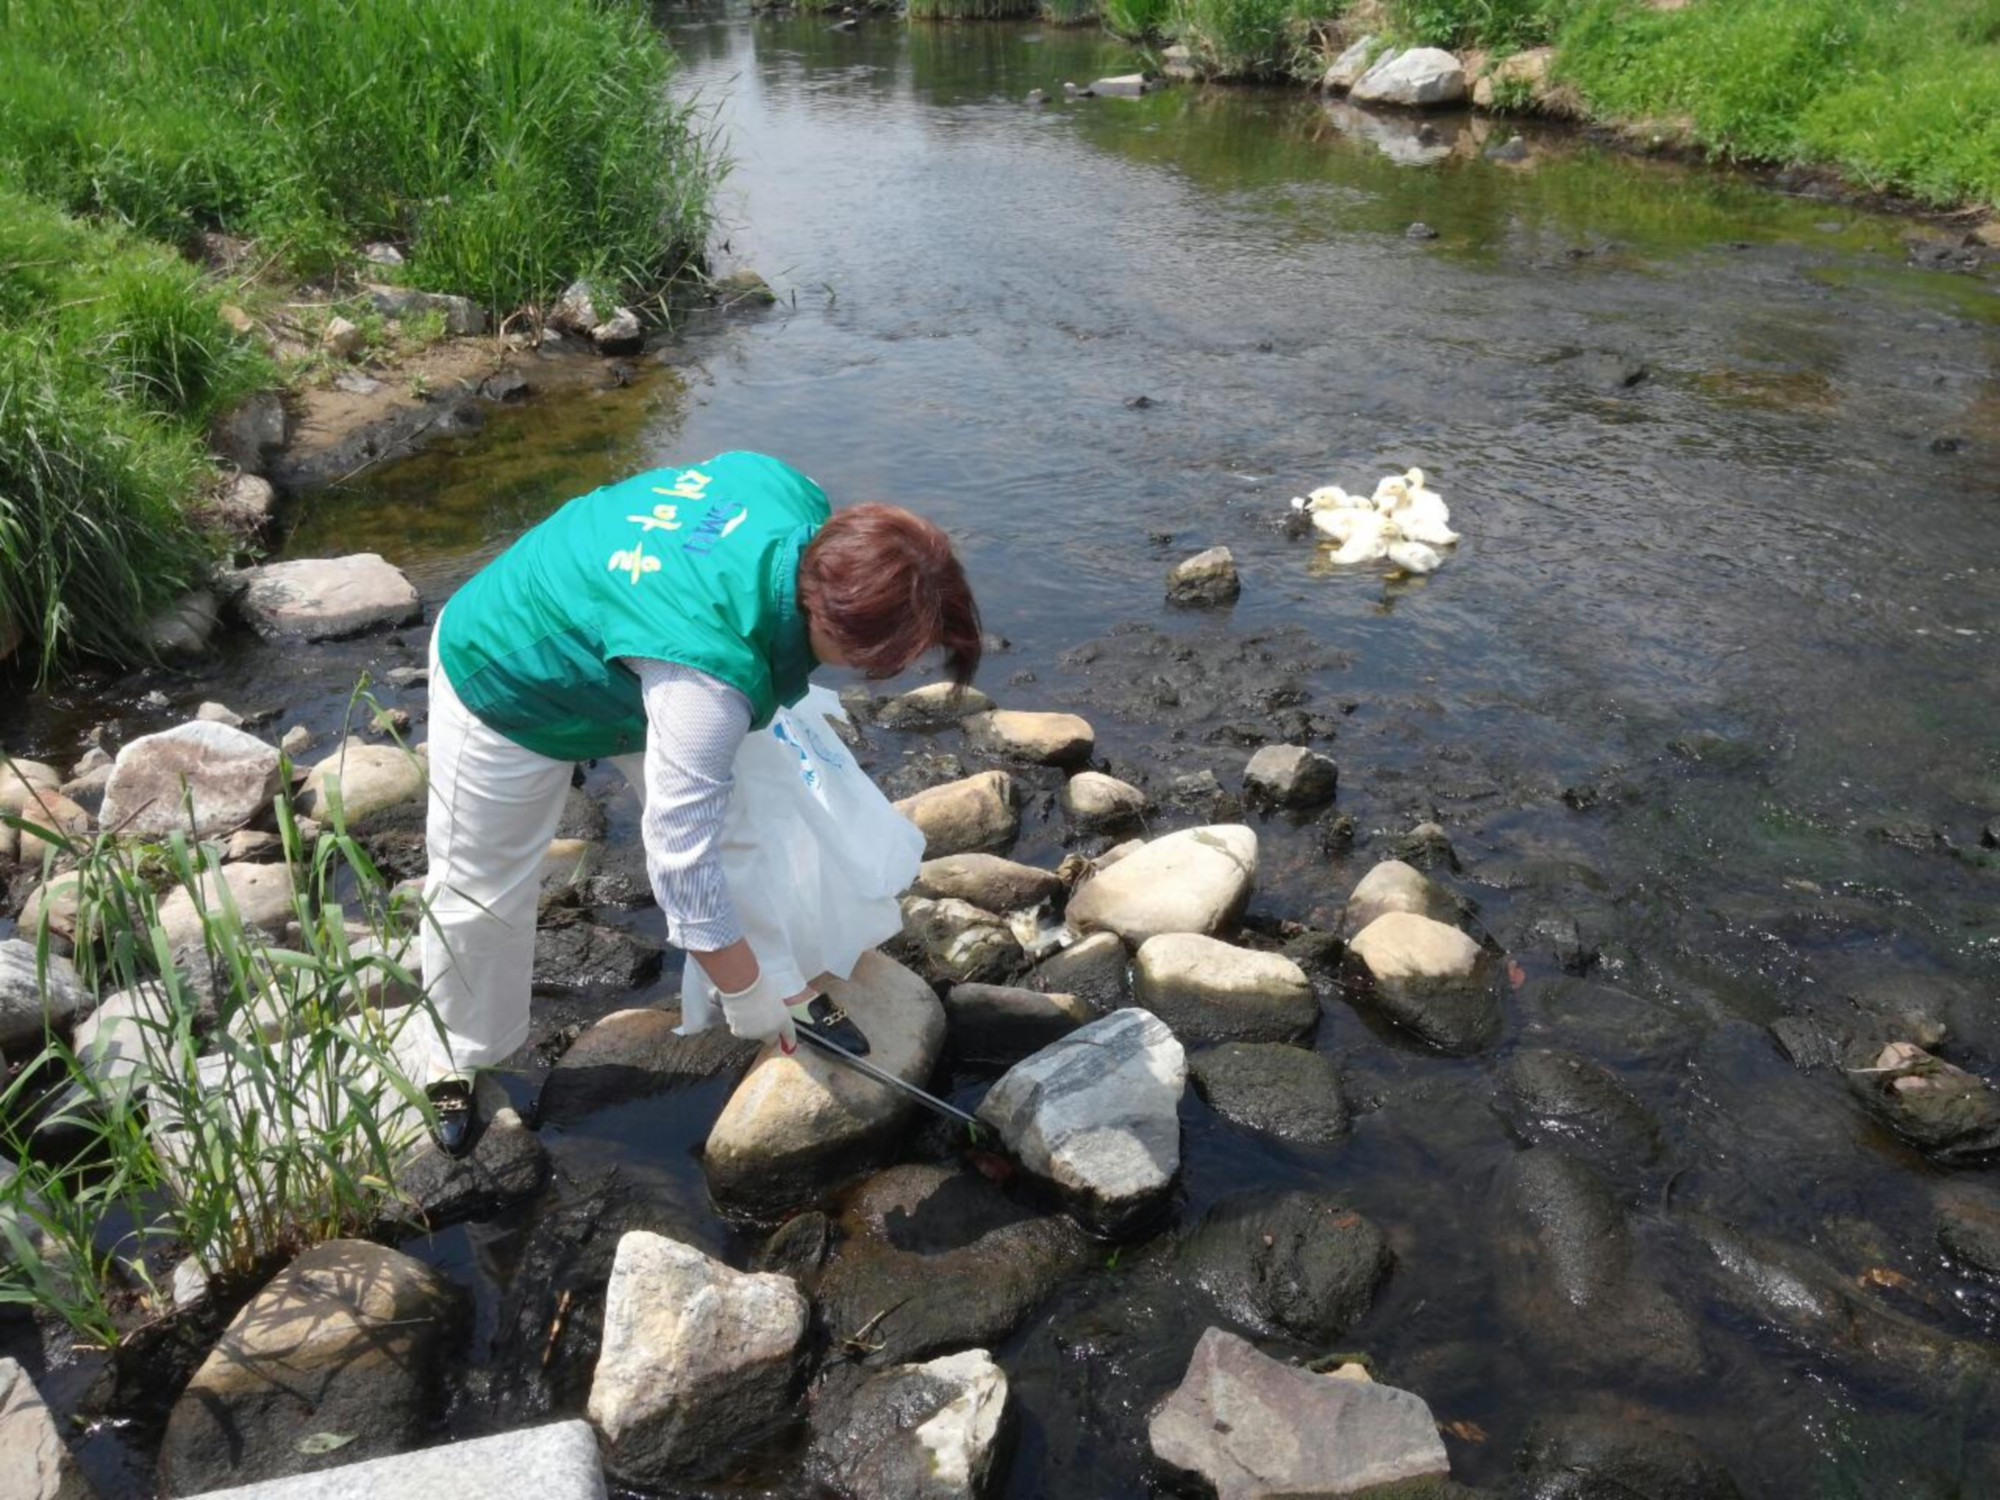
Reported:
(757, 1014)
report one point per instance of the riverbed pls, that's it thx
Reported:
(1713, 672)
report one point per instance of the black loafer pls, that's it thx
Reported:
(824, 1019)
(453, 1115)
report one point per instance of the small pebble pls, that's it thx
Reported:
(1420, 231)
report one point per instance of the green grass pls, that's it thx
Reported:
(236, 1136)
(1244, 38)
(1070, 12)
(1503, 25)
(1137, 20)
(971, 10)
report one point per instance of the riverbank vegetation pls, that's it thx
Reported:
(504, 147)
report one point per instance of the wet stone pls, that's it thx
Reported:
(635, 1054)
(933, 706)
(1427, 979)
(27, 1009)
(1561, 1098)
(581, 956)
(1425, 847)
(506, 1164)
(1048, 739)
(797, 1247)
(996, 1024)
(1969, 1227)
(1584, 1457)
(1273, 1089)
(973, 816)
(934, 1258)
(1395, 885)
(1195, 881)
(1204, 580)
(1291, 776)
(987, 881)
(919, 773)
(1294, 1264)
(960, 943)
(1947, 1113)
(1210, 991)
(1098, 803)
(1095, 970)
(915, 1432)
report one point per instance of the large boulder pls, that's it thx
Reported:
(262, 896)
(798, 1124)
(1421, 78)
(960, 942)
(1096, 970)
(1348, 69)
(1429, 979)
(30, 1008)
(373, 781)
(1256, 1429)
(33, 1456)
(635, 1054)
(993, 1023)
(1196, 880)
(229, 776)
(1291, 776)
(932, 706)
(986, 881)
(972, 816)
(554, 1461)
(347, 1340)
(1208, 991)
(1043, 738)
(697, 1359)
(1095, 802)
(1274, 1089)
(917, 1432)
(933, 1258)
(1294, 1264)
(1098, 1114)
(323, 598)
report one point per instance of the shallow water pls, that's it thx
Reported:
(1750, 602)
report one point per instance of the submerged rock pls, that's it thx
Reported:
(1422, 77)
(1098, 1114)
(1256, 1429)
(1208, 991)
(1969, 1227)
(697, 1360)
(347, 1339)
(1291, 776)
(1565, 1099)
(976, 815)
(992, 1023)
(987, 881)
(635, 1054)
(316, 599)
(1196, 880)
(229, 776)
(917, 1432)
(935, 1258)
(1206, 579)
(797, 1125)
(1292, 1263)
(1274, 1089)
(33, 1456)
(1096, 971)
(1603, 1458)
(1097, 803)
(1047, 739)
(1947, 1113)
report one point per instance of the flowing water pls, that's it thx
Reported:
(1743, 611)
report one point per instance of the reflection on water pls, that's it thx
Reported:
(1725, 469)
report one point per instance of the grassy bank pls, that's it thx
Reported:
(506, 146)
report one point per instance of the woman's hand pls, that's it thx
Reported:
(757, 1015)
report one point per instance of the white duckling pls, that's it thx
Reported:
(1370, 536)
(1413, 557)
(1421, 514)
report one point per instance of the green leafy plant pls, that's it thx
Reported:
(1136, 20)
(1243, 38)
(242, 1099)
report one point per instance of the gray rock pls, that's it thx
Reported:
(1256, 1429)
(797, 1125)
(1969, 1227)
(1422, 77)
(933, 706)
(1602, 1458)
(1560, 1098)
(1950, 1115)
(621, 333)
(375, 782)
(745, 287)
(28, 1010)
(1277, 1090)
(1347, 69)
(937, 1258)
(1206, 579)
(1045, 739)
(186, 627)
(462, 316)
(229, 776)
(345, 1340)
(1291, 776)
(987, 881)
(1196, 880)
(583, 956)
(1097, 971)
(1098, 1114)
(698, 1359)
(973, 816)
(1097, 803)
(961, 943)
(249, 433)
(994, 1024)
(1208, 991)
(575, 310)
(33, 1455)
(556, 1461)
(1429, 979)
(635, 1054)
(1124, 86)
(1292, 1264)
(323, 598)
(1425, 847)
(1573, 1283)
(917, 1432)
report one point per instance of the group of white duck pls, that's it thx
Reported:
(1405, 521)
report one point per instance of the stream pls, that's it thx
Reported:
(1713, 672)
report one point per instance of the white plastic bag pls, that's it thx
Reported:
(814, 854)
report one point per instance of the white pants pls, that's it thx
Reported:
(494, 806)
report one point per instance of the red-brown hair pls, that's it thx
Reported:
(886, 587)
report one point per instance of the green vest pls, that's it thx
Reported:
(697, 566)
